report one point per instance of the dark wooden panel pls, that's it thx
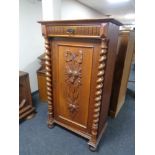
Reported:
(26, 109)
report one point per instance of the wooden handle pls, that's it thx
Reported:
(70, 31)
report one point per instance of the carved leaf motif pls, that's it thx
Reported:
(69, 56)
(74, 56)
(73, 73)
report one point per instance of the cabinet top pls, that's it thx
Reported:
(82, 21)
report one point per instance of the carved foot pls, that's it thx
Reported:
(93, 149)
(92, 145)
(93, 142)
(50, 124)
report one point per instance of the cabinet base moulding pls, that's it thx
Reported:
(93, 144)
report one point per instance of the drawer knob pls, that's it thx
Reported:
(70, 31)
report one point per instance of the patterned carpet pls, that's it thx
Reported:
(119, 138)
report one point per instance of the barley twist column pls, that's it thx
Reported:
(99, 86)
(48, 66)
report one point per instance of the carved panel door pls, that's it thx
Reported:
(72, 63)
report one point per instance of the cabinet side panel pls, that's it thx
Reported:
(118, 71)
(113, 31)
(126, 72)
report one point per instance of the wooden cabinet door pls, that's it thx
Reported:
(72, 73)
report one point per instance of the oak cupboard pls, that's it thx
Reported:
(125, 51)
(79, 60)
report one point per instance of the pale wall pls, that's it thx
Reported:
(30, 39)
(71, 9)
(51, 9)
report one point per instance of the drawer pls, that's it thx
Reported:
(74, 31)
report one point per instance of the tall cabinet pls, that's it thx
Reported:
(125, 51)
(79, 60)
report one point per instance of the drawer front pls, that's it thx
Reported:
(74, 31)
(72, 64)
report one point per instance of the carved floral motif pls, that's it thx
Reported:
(73, 73)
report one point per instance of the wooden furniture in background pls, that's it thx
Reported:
(80, 59)
(125, 52)
(41, 76)
(26, 109)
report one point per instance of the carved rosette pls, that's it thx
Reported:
(73, 78)
(99, 86)
(48, 67)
